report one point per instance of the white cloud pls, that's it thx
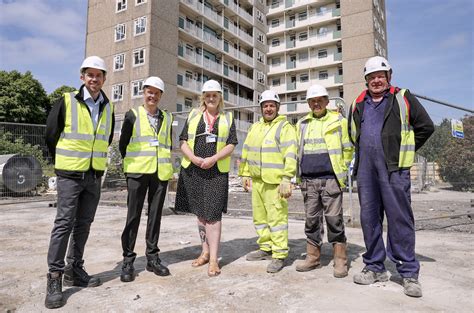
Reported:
(44, 18)
(455, 41)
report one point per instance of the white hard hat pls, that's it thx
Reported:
(212, 85)
(93, 62)
(269, 95)
(375, 64)
(156, 82)
(316, 91)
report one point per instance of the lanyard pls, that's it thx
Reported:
(210, 121)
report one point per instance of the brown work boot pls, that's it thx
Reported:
(312, 261)
(340, 260)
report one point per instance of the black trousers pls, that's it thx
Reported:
(76, 207)
(137, 187)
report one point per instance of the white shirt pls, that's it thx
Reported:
(93, 105)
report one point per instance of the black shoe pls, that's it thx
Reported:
(128, 272)
(156, 267)
(54, 294)
(77, 276)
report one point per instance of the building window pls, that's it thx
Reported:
(275, 23)
(275, 4)
(303, 36)
(121, 6)
(304, 77)
(276, 81)
(260, 57)
(140, 25)
(303, 56)
(303, 97)
(119, 32)
(275, 42)
(259, 16)
(323, 75)
(323, 53)
(291, 107)
(138, 56)
(261, 37)
(323, 31)
(137, 88)
(261, 78)
(302, 16)
(138, 2)
(276, 61)
(117, 92)
(119, 62)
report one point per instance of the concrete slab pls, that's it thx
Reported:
(446, 270)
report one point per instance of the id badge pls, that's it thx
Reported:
(210, 139)
(154, 143)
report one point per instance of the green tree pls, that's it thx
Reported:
(436, 143)
(456, 160)
(58, 93)
(22, 98)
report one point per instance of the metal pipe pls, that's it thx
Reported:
(443, 103)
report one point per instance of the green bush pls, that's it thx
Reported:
(115, 166)
(456, 161)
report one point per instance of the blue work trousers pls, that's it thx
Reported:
(379, 192)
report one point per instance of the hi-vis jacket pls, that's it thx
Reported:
(406, 127)
(225, 122)
(80, 147)
(333, 140)
(148, 151)
(269, 151)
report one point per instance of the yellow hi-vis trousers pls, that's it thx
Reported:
(270, 217)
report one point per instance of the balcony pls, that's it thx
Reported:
(212, 66)
(311, 20)
(312, 41)
(212, 40)
(191, 85)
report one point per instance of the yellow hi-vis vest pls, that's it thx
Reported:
(269, 151)
(332, 139)
(407, 143)
(80, 146)
(147, 151)
(225, 122)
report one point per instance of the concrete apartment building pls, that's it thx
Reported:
(247, 45)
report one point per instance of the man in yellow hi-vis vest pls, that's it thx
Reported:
(79, 130)
(324, 153)
(269, 162)
(145, 145)
(387, 125)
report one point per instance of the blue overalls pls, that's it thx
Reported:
(379, 192)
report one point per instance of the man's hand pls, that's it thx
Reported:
(246, 182)
(285, 188)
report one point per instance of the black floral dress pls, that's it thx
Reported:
(204, 192)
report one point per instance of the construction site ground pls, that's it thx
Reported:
(444, 248)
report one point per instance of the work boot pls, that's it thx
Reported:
(156, 267)
(259, 255)
(54, 294)
(312, 260)
(77, 276)
(340, 260)
(128, 272)
(412, 287)
(275, 266)
(367, 277)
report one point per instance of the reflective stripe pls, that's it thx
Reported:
(288, 143)
(270, 149)
(138, 127)
(313, 141)
(102, 137)
(278, 131)
(279, 228)
(107, 122)
(97, 154)
(273, 165)
(261, 226)
(142, 139)
(317, 151)
(74, 154)
(77, 136)
(164, 160)
(74, 117)
(221, 139)
(334, 151)
(253, 163)
(407, 148)
(281, 250)
(403, 109)
(253, 149)
(341, 175)
(140, 153)
(291, 155)
(346, 145)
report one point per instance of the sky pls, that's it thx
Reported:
(430, 46)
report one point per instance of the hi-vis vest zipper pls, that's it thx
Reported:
(80, 147)
(225, 122)
(143, 157)
(407, 143)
